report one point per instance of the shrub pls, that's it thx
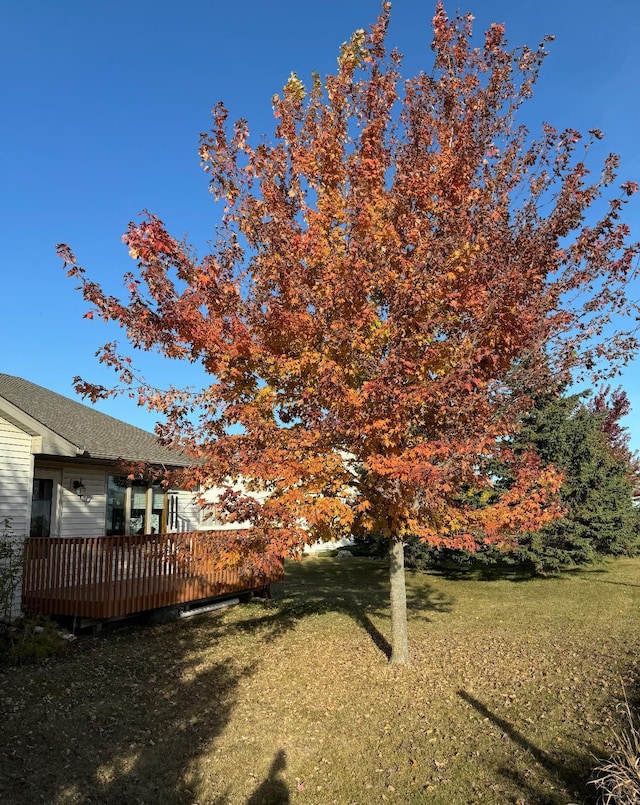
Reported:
(27, 639)
(31, 639)
(11, 560)
(618, 778)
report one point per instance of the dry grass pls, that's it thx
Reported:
(511, 693)
(619, 776)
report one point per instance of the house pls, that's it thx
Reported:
(60, 469)
(62, 488)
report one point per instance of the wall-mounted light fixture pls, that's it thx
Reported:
(79, 489)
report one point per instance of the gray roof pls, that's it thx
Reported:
(96, 435)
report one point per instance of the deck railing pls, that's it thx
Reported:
(107, 577)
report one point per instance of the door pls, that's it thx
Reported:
(44, 503)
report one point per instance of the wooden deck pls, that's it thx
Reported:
(108, 577)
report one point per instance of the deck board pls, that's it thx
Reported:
(107, 577)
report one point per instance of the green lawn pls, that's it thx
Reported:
(511, 692)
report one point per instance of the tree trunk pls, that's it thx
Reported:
(399, 634)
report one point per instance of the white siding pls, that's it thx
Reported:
(192, 518)
(16, 476)
(188, 516)
(16, 480)
(82, 517)
(86, 517)
(332, 545)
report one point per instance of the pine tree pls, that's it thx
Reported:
(588, 444)
(585, 440)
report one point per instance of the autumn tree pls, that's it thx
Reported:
(585, 440)
(612, 406)
(386, 271)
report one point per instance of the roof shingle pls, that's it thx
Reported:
(96, 434)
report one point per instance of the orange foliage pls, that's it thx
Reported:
(392, 278)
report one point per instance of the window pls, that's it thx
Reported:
(41, 500)
(116, 505)
(158, 498)
(134, 507)
(138, 514)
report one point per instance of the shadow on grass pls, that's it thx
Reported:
(571, 771)
(128, 719)
(618, 583)
(273, 790)
(479, 572)
(135, 714)
(507, 571)
(358, 588)
(616, 774)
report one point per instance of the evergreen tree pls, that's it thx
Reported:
(588, 444)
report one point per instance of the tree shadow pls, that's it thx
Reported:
(618, 583)
(379, 640)
(358, 588)
(571, 771)
(507, 571)
(125, 718)
(127, 731)
(480, 572)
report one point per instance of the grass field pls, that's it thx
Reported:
(511, 693)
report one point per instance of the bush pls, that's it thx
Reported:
(27, 639)
(11, 560)
(31, 639)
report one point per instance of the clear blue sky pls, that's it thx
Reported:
(103, 101)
